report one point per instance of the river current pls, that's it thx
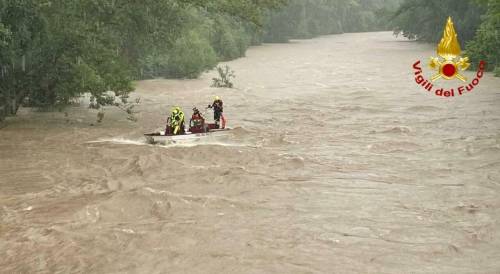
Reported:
(338, 162)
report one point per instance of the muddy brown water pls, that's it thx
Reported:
(338, 163)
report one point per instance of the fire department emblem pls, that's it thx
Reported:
(449, 63)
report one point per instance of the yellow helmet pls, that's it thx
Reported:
(217, 98)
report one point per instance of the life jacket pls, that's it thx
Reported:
(218, 106)
(177, 118)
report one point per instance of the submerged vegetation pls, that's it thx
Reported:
(53, 51)
(225, 76)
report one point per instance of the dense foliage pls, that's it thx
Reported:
(52, 51)
(57, 50)
(425, 19)
(476, 21)
(486, 43)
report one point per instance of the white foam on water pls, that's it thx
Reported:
(120, 141)
(186, 143)
(208, 143)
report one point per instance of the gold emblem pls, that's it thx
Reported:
(449, 64)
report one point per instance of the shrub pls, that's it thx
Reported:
(224, 80)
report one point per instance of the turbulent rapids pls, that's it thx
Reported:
(337, 162)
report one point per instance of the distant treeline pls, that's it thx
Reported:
(309, 18)
(476, 21)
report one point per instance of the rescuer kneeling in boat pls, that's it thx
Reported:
(177, 121)
(197, 122)
(218, 107)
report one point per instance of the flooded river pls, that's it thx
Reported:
(338, 163)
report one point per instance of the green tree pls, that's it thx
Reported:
(425, 19)
(486, 43)
(476, 21)
(190, 56)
